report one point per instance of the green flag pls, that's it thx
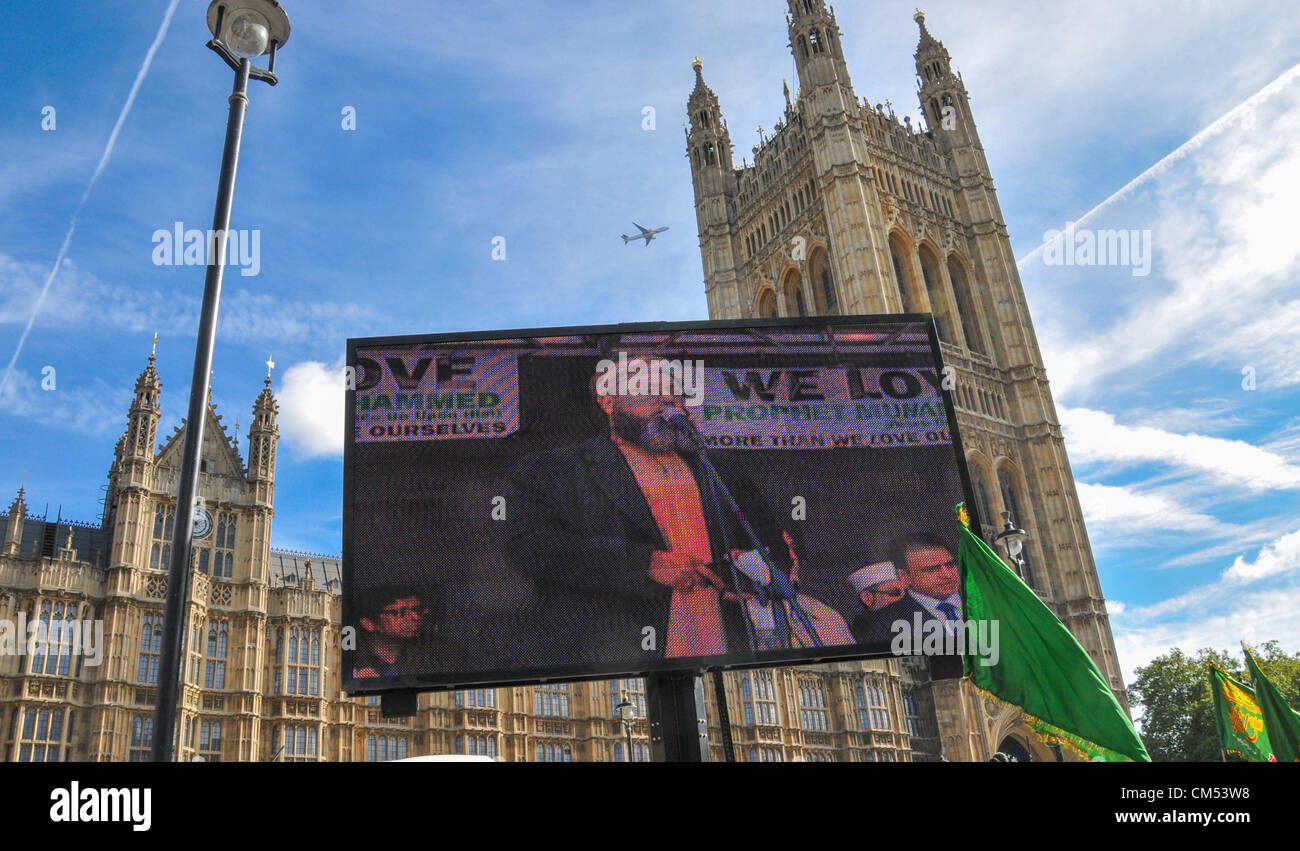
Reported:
(1238, 717)
(1281, 722)
(1041, 668)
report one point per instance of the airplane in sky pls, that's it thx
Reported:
(645, 234)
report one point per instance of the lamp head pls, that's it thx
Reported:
(249, 28)
(626, 711)
(1012, 536)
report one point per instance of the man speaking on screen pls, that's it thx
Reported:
(639, 544)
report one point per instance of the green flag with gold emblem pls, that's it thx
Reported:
(1281, 722)
(1239, 718)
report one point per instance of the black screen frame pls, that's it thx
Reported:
(579, 673)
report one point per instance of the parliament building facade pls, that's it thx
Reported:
(844, 210)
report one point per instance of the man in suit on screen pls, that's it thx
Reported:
(929, 570)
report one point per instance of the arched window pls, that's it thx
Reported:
(1009, 497)
(985, 507)
(1011, 502)
(794, 301)
(969, 313)
(815, 39)
(823, 285)
(938, 299)
(906, 290)
(767, 305)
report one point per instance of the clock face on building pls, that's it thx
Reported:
(202, 524)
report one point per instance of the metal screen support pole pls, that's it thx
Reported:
(724, 716)
(679, 725)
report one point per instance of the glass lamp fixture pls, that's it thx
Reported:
(248, 35)
(1012, 536)
(243, 30)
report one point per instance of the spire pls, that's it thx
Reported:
(941, 93)
(701, 92)
(14, 523)
(708, 141)
(263, 433)
(148, 380)
(808, 9)
(927, 40)
(145, 411)
(815, 43)
(265, 399)
(930, 54)
(19, 505)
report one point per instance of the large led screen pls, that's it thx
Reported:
(580, 503)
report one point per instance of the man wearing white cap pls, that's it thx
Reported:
(878, 585)
(930, 571)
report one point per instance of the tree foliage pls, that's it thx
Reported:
(1177, 721)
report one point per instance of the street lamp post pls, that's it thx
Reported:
(627, 712)
(242, 30)
(1013, 538)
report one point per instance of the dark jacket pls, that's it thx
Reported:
(875, 628)
(578, 525)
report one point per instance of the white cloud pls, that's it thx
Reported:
(311, 401)
(1095, 436)
(1219, 614)
(95, 408)
(1281, 556)
(1123, 510)
(1220, 622)
(1276, 559)
(1224, 286)
(82, 299)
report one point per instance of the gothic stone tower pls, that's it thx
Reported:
(846, 210)
(228, 604)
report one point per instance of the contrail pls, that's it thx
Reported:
(1181, 152)
(99, 169)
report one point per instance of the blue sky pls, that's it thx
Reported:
(524, 120)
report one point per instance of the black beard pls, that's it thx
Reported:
(670, 431)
